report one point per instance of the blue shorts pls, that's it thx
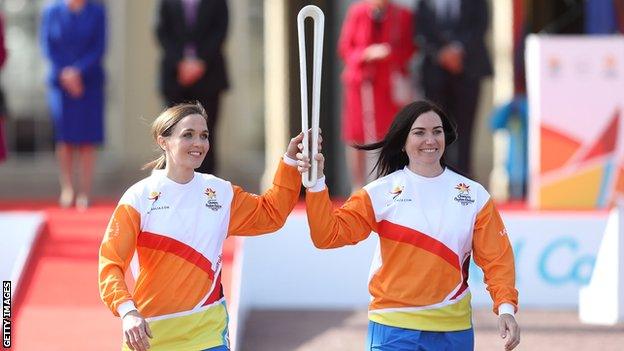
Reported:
(385, 338)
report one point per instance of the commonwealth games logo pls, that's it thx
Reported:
(463, 197)
(212, 202)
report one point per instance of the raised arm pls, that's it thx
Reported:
(347, 225)
(329, 227)
(259, 214)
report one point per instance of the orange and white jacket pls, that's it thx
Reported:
(428, 228)
(171, 236)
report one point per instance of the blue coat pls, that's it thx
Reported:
(513, 116)
(75, 39)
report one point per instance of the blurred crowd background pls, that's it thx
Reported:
(261, 107)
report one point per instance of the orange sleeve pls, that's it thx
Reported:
(116, 252)
(347, 225)
(253, 215)
(493, 253)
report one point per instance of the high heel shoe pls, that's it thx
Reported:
(82, 202)
(66, 199)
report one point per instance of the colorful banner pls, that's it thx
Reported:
(576, 99)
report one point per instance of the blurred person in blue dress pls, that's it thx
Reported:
(73, 36)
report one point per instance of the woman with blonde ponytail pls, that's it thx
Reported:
(170, 227)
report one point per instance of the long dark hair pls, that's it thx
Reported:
(391, 154)
(166, 121)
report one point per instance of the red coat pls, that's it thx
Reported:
(358, 32)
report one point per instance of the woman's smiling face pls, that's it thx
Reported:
(188, 144)
(425, 142)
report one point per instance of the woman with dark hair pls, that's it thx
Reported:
(430, 221)
(392, 156)
(169, 229)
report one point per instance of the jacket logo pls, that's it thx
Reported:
(463, 197)
(154, 196)
(396, 194)
(212, 202)
(398, 190)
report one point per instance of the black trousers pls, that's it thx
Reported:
(211, 105)
(458, 96)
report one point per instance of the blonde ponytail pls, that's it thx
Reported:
(158, 163)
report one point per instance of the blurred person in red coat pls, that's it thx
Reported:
(376, 45)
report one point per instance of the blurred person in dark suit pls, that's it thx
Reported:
(451, 36)
(191, 34)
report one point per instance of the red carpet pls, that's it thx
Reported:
(58, 305)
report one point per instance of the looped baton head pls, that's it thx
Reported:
(309, 178)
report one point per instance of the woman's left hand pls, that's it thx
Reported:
(376, 52)
(296, 143)
(71, 80)
(292, 149)
(509, 329)
(136, 331)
